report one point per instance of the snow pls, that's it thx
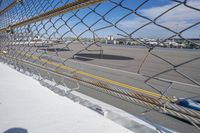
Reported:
(24, 103)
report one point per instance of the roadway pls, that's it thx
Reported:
(121, 64)
(118, 66)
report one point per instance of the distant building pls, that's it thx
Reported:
(121, 41)
(170, 43)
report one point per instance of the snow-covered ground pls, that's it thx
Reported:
(25, 104)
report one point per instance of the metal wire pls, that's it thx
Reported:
(61, 35)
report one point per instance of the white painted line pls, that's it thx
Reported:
(132, 73)
(123, 71)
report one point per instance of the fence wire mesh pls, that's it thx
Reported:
(145, 44)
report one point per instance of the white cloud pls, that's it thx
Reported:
(176, 19)
(180, 13)
(134, 23)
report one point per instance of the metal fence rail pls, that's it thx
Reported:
(63, 36)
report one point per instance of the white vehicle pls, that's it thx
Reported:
(4, 52)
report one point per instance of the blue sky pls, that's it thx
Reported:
(178, 19)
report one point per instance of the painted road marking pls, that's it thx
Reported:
(96, 77)
(131, 73)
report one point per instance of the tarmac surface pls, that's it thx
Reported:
(119, 65)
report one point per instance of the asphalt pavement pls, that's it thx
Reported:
(118, 65)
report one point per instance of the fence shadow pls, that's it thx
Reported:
(103, 56)
(16, 130)
(54, 49)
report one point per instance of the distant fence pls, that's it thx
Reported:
(49, 34)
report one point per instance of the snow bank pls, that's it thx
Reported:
(24, 103)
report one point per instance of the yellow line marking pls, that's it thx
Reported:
(95, 77)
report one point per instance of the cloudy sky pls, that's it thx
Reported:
(177, 18)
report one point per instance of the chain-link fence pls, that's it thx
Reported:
(142, 51)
